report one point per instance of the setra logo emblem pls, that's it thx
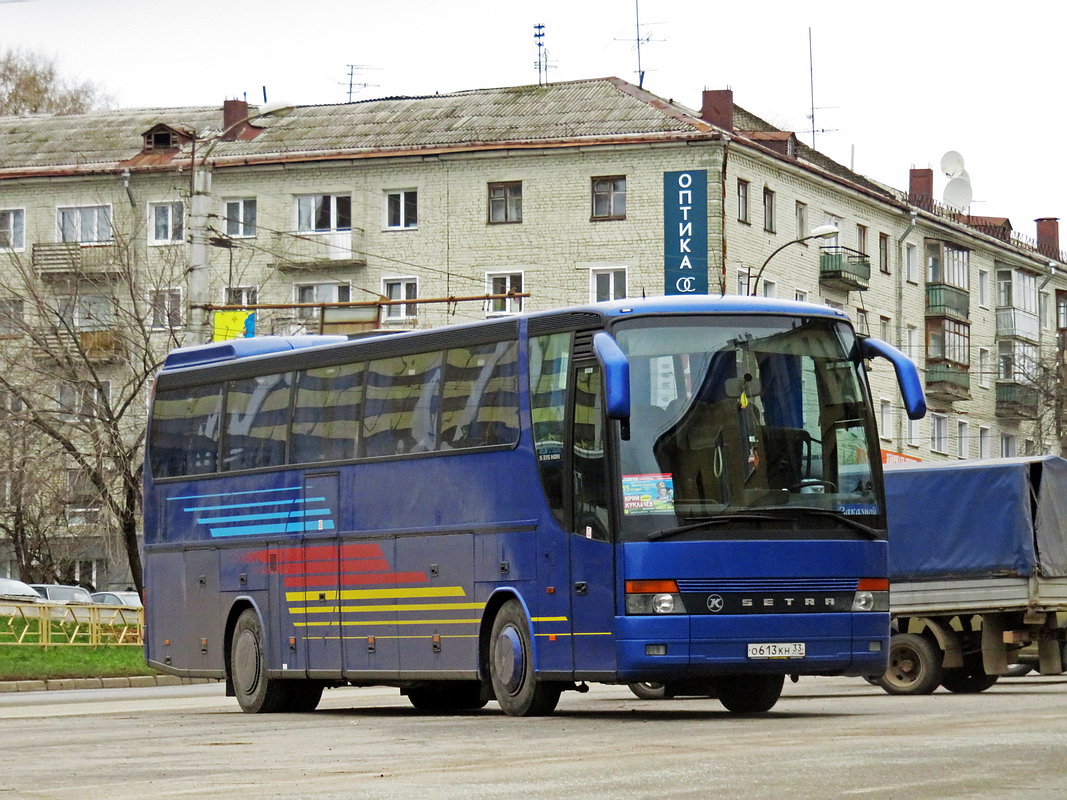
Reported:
(715, 603)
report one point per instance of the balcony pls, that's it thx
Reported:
(91, 346)
(1016, 401)
(947, 382)
(318, 250)
(1018, 324)
(71, 258)
(844, 269)
(945, 300)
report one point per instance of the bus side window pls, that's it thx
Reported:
(549, 371)
(326, 414)
(401, 405)
(480, 400)
(257, 414)
(591, 515)
(185, 431)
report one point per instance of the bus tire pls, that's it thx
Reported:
(749, 694)
(511, 672)
(256, 693)
(971, 678)
(302, 696)
(649, 690)
(449, 696)
(914, 665)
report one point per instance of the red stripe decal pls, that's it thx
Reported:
(375, 579)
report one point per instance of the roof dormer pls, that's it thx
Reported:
(163, 138)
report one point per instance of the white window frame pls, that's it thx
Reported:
(306, 209)
(885, 328)
(240, 217)
(322, 292)
(744, 198)
(81, 399)
(800, 295)
(963, 443)
(502, 283)
(939, 433)
(743, 278)
(97, 230)
(92, 312)
(984, 367)
(240, 295)
(801, 219)
(769, 288)
(911, 263)
(612, 197)
(885, 419)
(617, 281)
(912, 432)
(402, 221)
(168, 217)
(984, 442)
(768, 210)
(983, 288)
(400, 288)
(1008, 445)
(12, 230)
(173, 308)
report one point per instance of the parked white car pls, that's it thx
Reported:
(14, 593)
(131, 599)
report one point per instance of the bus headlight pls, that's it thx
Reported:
(653, 597)
(871, 595)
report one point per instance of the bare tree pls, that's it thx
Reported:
(30, 83)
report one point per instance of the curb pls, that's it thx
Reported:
(133, 682)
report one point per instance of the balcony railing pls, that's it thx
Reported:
(945, 300)
(93, 346)
(1016, 401)
(64, 258)
(1017, 323)
(292, 250)
(844, 269)
(947, 382)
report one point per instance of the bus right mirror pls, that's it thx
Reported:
(911, 387)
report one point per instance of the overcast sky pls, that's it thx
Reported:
(896, 85)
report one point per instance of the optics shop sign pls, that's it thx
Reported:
(685, 232)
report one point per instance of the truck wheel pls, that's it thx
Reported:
(749, 694)
(914, 665)
(971, 678)
(649, 690)
(1018, 670)
(515, 685)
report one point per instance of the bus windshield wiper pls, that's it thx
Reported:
(703, 522)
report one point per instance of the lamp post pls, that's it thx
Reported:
(822, 232)
(199, 212)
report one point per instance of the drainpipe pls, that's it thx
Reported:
(126, 186)
(898, 420)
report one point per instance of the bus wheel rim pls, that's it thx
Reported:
(246, 662)
(510, 661)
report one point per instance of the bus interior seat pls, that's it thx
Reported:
(787, 452)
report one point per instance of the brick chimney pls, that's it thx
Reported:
(1048, 236)
(233, 111)
(921, 188)
(717, 107)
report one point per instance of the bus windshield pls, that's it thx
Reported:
(757, 423)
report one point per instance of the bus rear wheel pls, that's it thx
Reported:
(511, 672)
(749, 694)
(256, 692)
(449, 696)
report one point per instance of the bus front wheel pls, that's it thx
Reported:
(515, 685)
(257, 693)
(749, 694)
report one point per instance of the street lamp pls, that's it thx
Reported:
(822, 232)
(199, 211)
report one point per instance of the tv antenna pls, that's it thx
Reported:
(542, 55)
(638, 40)
(353, 85)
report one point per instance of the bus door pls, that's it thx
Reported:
(321, 615)
(591, 550)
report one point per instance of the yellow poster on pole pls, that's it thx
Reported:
(233, 325)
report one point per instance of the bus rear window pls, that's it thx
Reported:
(185, 431)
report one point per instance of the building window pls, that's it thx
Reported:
(742, 200)
(835, 240)
(861, 238)
(742, 282)
(802, 220)
(768, 288)
(984, 450)
(885, 419)
(949, 340)
(947, 263)
(1043, 303)
(83, 399)
(1061, 309)
(1017, 360)
(401, 289)
(323, 212)
(983, 288)
(607, 284)
(963, 445)
(800, 295)
(1007, 445)
(241, 217)
(984, 368)
(12, 316)
(609, 197)
(242, 296)
(320, 293)
(505, 202)
(835, 305)
(166, 308)
(862, 325)
(912, 432)
(402, 209)
(12, 229)
(168, 222)
(884, 329)
(883, 252)
(911, 263)
(88, 312)
(504, 283)
(911, 343)
(768, 210)
(938, 433)
(85, 224)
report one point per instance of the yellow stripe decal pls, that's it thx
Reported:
(396, 607)
(548, 619)
(375, 594)
(376, 637)
(390, 622)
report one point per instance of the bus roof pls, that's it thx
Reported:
(239, 349)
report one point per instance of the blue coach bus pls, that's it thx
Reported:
(676, 490)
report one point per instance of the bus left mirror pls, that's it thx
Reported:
(616, 375)
(911, 385)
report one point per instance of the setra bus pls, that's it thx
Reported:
(675, 490)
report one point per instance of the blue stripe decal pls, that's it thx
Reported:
(290, 501)
(291, 527)
(307, 512)
(234, 494)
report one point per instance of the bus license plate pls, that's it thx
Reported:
(776, 650)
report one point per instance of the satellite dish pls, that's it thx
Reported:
(958, 193)
(952, 164)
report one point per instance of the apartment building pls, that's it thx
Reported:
(122, 233)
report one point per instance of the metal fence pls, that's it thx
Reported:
(48, 625)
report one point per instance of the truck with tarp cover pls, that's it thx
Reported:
(978, 571)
